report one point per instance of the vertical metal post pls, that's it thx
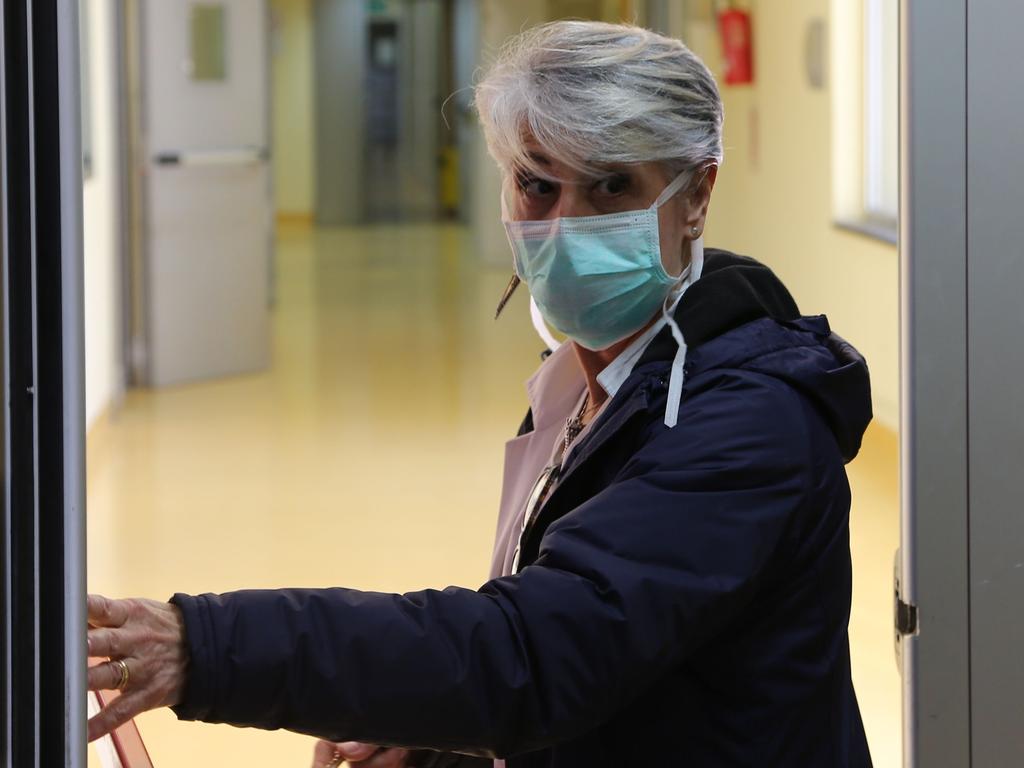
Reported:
(995, 323)
(934, 571)
(6, 633)
(70, 507)
(20, 508)
(44, 541)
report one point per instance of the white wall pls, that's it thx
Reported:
(103, 360)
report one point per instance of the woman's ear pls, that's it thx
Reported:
(700, 198)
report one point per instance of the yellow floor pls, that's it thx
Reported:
(370, 456)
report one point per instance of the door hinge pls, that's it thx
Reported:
(905, 613)
(906, 618)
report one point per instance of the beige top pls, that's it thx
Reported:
(556, 393)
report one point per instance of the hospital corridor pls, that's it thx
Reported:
(510, 384)
(370, 453)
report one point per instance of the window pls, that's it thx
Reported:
(865, 116)
(881, 111)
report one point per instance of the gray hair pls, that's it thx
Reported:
(591, 93)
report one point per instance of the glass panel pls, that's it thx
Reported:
(207, 28)
(881, 110)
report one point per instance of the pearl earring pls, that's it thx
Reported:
(695, 231)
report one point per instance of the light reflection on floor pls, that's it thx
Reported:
(370, 456)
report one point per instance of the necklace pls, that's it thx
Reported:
(574, 424)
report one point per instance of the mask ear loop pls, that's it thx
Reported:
(541, 327)
(672, 189)
(690, 276)
(678, 374)
(536, 317)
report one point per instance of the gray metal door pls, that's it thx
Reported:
(961, 575)
(42, 421)
(207, 201)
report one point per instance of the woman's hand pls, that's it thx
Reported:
(149, 637)
(328, 755)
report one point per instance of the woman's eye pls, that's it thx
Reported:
(534, 187)
(613, 185)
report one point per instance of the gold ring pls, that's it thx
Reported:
(122, 667)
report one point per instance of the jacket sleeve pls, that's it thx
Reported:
(626, 585)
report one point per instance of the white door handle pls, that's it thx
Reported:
(200, 157)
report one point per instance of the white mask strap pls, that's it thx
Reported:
(677, 375)
(541, 327)
(696, 259)
(672, 189)
(504, 202)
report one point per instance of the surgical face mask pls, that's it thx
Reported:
(597, 279)
(626, 278)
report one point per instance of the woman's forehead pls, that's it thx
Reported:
(537, 161)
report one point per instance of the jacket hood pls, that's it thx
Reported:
(740, 315)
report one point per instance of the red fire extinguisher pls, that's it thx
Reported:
(737, 46)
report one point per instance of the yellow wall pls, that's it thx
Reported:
(603, 10)
(293, 123)
(774, 198)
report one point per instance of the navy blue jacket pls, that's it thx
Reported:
(683, 599)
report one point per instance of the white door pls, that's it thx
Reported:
(207, 201)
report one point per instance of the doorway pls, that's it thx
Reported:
(384, 150)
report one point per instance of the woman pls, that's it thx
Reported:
(672, 578)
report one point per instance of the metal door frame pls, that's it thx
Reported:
(994, 279)
(43, 553)
(934, 570)
(961, 576)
